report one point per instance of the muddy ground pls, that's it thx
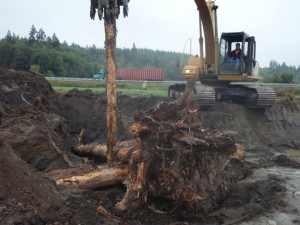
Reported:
(39, 128)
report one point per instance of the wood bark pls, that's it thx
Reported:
(122, 150)
(166, 111)
(87, 178)
(111, 85)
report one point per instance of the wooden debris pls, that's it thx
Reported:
(102, 211)
(105, 175)
(122, 149)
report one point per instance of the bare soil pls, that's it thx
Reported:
(39, 128)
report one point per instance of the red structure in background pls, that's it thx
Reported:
(140, 74)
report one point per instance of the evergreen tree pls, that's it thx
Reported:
(134, 59)
(14, 38)
(21, 57)
(55, 41)
(32, 34)
(9, 37)
(41, 36)
(6, 52)
(49, 43)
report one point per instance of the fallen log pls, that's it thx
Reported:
(122, 149)
(87, 178)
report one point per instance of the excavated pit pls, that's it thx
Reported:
(39, 128)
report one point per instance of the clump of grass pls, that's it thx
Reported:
(295, 91)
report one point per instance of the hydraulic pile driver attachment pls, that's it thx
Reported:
(108, 8)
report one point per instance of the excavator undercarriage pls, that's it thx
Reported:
(249, 96)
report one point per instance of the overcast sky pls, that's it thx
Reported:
(162, 24)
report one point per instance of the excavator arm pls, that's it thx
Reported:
(206, 20)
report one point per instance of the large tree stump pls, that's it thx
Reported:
(179, 160)
(180, 163)
(171, 156)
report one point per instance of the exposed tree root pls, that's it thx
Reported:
(171, 156)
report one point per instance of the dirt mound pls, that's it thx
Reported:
(39, 129)
(29, 122)
(273, 127)
(26, 197)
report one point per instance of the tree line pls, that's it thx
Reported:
(280, 73)
(49, 56)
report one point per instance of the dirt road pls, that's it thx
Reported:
(39, 128)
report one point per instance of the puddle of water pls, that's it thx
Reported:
(293, 152)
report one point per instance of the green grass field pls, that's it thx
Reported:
(135, 88)
(128, 88)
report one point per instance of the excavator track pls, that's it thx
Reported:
(264, 97)
(204, 95)
(248, 96)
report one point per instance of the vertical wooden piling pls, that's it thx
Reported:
(111, 87)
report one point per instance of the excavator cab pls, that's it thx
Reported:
(244, 67)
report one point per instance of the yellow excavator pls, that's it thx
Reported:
(220, 68)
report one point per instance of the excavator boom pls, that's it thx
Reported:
(205, 18)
